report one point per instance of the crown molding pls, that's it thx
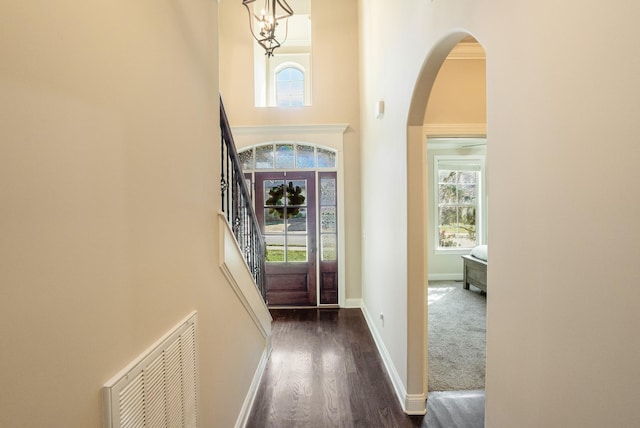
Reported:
(336, 128)
(330, 135)
(455, 144)
(455, 129)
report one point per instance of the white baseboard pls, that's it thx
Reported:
(445, 277)
(415, 404)
(352, 303)
(412, 404)
(245, 411)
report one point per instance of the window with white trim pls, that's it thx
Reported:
(296, 51)
(290, 87)
(459, 190)
(287, 155)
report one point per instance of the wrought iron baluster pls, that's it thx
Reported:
(237, 207)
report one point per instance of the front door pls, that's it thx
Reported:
(286, 210)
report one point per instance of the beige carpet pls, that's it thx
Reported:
(457, 334)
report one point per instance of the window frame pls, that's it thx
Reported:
(481, 226)
(296, 144)
(282, 68)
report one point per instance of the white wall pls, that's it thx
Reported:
(562, 106)
(109, 171)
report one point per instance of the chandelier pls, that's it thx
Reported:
(263, 26)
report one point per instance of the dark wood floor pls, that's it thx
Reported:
(325, 371)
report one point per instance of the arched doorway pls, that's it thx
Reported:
(419, 217)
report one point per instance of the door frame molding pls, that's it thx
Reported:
(329, 136)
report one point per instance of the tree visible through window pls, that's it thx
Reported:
(458, 207)
(290, 87)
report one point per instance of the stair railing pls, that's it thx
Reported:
(238, 207)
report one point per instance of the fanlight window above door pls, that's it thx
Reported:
(287, 155)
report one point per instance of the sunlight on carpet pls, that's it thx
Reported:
(437, 293)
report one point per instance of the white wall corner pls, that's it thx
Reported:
(408, 402)
(352, 303)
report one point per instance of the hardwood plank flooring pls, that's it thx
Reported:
(325, 371)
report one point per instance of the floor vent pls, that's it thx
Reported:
(158, 389)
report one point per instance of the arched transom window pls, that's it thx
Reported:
(287, 155)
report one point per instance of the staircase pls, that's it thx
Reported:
(237, 205)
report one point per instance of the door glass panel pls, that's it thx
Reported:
(297, 223)
(284, 156)
(273, 220)
(328, 219)
(327, 191)
(285, 220)
(275, 248)
(273, 192)
(306, 156)
(328, 248)
(296, 248)
(264, 157)
(296, 193)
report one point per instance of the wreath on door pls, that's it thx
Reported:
(294, 199)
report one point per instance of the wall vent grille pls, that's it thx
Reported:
(158, 389)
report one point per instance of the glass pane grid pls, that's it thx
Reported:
(305, 156)
(274, 192)
(290, 87)
(326, 158)
(246, 159)
(284, 156)
(457, 205)
(297, 248)
(328, 219)
(328, 247)
(264, 157)
(297, 221)
(285, 220)
(327, 191)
